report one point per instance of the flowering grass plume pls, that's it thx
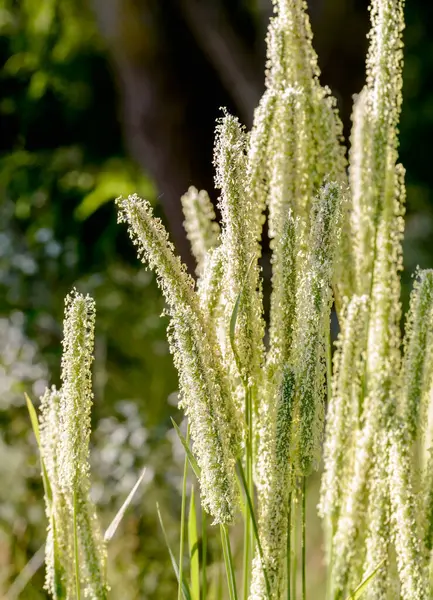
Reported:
(206, 393)
(75, 551)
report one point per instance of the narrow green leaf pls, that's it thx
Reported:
(182, 517)
(204, 553)
(33, 419)
(185, 588)
(35, 426)
(111, 530)
(363, 585)
(191, 458)
(249, 505)
(193, 548)
(228, 562)
(76, 549)
(60, 591)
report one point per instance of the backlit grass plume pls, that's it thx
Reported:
(255, 393)
(75, 551)
(206, 393)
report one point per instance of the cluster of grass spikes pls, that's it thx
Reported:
(255, 393)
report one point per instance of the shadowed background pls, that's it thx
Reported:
(110, 97)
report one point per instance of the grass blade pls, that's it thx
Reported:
(111, 530)
(33, 419)
(204, 554)
(254, 524)
(182, 516)
(26, 574)
(193, 548)
(191, 457)
(228, 562)
(363, 585)
(76, 552)
(35, 426)
(185, 588)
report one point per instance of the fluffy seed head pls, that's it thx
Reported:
(76, 394)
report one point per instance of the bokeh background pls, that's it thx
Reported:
(107, 97)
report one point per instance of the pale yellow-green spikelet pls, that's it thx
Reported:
(347, 547)
(290, 44)
(342, 416)
(200, 225)
(75, 405)
(292, 63)
(205, 397)
(427, 506)
(374, 136)
(59, 577)
(290, 181)
(287, 194)
(378, 523)
(276, 484)
(379, 399)
(384, 339)
(154, 247)
(425, 440)
(93, 549)
(240, 247)
(417, 368)
(210, 282)
(283, 297)
(363, 225)
(76, 393)
(404, 515)
(258, 167)
(313, 305)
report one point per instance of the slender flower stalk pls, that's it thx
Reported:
(75, 551)
(200, 225)
(314, 299)
(213, 439)
(240, 248)
(210, 283)
(417, 369)
(76, 394)
(343, 418)
(378, 523)
(374, 137)
(75, 405)
(274, 506)
(206, 394)
(59, 560)
(404, 518)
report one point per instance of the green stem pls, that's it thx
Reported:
(182, 521)
(228, 562)
(329, 396)
(329, 363)
(303, 539)
(76, 553)
(248, 541)
(330, 570)
(249, 505)
(295, 543)
(204, 554)
(289, 548)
